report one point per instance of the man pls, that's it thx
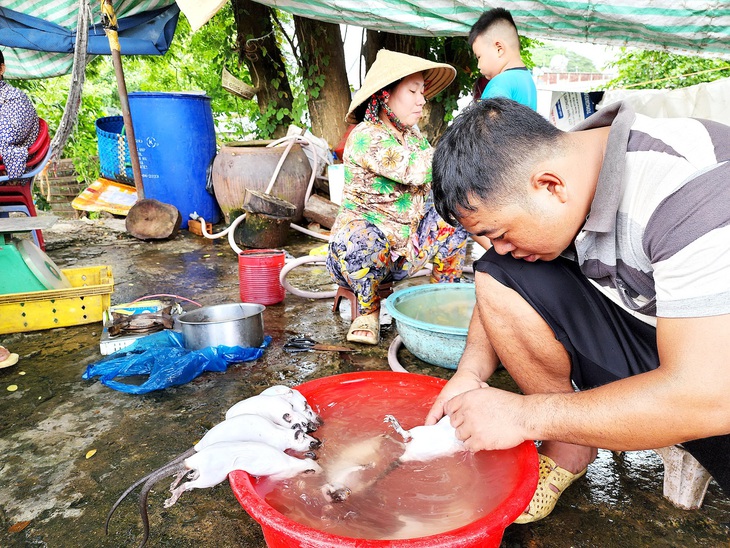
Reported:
(609, 271)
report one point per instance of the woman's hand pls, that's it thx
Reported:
(461, 382)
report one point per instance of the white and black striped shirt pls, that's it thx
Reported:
(658, 234)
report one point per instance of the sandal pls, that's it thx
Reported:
(369, 323)
(7, 358)
(544, 500)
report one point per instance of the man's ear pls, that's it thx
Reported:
(551, 182)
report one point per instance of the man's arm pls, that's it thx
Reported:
(685, 398)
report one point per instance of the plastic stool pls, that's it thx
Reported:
(685, 479)
(344, 293)
(5, 211)
(20, 196)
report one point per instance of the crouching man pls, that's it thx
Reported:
(609, 271)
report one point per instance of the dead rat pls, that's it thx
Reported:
(240, 428)
(212, 464)
(288, 408)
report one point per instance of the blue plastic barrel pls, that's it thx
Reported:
(175, 139)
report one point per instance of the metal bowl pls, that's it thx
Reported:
(236, 324)
(433, 320)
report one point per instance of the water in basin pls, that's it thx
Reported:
(411, 500)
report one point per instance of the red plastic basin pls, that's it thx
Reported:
(282, 532)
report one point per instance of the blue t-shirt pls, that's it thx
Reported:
(516, 84)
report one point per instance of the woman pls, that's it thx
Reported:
(18, 126)
(387, 228)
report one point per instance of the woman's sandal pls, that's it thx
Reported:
(369, 323)
(7, 358)
(544, 500)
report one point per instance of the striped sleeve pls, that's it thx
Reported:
(687, 240)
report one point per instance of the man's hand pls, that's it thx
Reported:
(462, 381)
(488, 418)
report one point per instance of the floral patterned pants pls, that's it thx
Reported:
(360, 257)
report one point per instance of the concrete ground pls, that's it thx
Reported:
(55, 493)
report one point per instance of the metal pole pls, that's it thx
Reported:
(109, 21)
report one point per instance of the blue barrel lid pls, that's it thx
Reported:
(170, 95)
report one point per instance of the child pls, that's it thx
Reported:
(496, 45)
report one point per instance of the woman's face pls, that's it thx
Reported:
(406, 99)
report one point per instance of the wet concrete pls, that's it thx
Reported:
(55, 418)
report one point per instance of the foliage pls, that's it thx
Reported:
(642, 69)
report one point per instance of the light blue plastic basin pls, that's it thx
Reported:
(433, 320)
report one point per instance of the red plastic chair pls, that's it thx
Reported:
(38, 155)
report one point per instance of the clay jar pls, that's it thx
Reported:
(250, 164)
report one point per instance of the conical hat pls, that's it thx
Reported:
(391, 66)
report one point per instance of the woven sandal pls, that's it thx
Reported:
(369, 323)
(544, 500)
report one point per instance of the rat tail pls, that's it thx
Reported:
(173, 467)
(139, 482)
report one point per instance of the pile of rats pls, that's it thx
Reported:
(254, 438)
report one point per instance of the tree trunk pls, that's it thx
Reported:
(259, 50)
(458, 56)
(322, 56)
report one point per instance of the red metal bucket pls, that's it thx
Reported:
(258, 276)
(487, 531)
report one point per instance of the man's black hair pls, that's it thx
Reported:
(2, 58)
(485, 155)
(489, 18)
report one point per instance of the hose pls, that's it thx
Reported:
(293, 263)
(393, 355)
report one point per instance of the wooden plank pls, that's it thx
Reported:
(26, 224)
(321, 210)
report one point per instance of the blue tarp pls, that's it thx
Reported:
(147, 33)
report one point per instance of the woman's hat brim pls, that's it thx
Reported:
(391, 66)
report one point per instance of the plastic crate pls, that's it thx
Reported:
(83, 303)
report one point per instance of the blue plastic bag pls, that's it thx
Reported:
(164, 358)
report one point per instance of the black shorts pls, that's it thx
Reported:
(605, 343)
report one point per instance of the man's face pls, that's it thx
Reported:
(540, 232)
(488, 54)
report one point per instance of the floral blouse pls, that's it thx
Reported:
(386, 182)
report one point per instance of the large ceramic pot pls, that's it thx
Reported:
(251, 164)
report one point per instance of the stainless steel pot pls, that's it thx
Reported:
(236, 324)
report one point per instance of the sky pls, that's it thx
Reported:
(600, 55)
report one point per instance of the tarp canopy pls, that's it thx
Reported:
(47, 28)
(39, 36)
(691, 26)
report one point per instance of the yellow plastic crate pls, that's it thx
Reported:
(83, 303)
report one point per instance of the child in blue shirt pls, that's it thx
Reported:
(496, 45)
